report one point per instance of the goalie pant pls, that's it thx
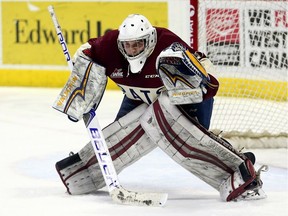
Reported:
(207, 156)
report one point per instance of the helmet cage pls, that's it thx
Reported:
(136, 27)
(138, 55)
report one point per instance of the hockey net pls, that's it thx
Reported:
(247, 42)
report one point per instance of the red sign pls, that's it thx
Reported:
(222, 25)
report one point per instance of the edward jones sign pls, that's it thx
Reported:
(29, 36)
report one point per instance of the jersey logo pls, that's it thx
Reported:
(117, 73)
(151, 76)
(147, 95)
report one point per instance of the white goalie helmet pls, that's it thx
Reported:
(138, 30)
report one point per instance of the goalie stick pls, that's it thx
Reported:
(116, 191)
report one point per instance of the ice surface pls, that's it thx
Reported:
(34, 136)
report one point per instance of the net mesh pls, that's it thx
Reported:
(247, 43)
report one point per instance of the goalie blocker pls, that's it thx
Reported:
(78, 95)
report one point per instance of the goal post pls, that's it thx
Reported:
(247, 42)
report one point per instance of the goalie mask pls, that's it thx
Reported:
(136, 40)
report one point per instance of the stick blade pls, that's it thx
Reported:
(123, 196)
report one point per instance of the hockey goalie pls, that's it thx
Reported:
(168, 108)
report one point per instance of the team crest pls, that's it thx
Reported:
(117, 73)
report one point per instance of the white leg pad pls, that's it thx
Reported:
(189, 144)
(127, 142)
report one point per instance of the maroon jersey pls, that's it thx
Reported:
(144, 86)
